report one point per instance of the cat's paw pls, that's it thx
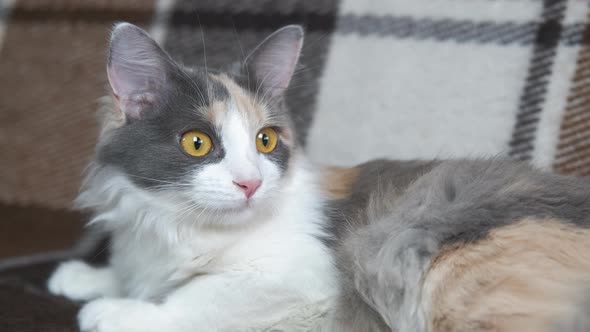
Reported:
(122, 315)
(79, 281)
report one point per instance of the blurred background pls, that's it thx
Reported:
(400, 79)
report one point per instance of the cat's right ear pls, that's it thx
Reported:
(137, 69)
(273, 61)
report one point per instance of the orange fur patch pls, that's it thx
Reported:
(522, 277)
(244, 102)
(216, 112)
(337, 182)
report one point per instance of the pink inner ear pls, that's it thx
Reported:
(114, 81)
(135, 104)
(127, 79)
(127, 88)
(137, 69)
(277, 67)
(274, 60)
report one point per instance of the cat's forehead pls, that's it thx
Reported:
(214, 97)
(235, 99)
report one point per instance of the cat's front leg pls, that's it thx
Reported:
(248, 301)
(80, 281)
(124, 315)
(215, 303)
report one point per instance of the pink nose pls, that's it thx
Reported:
(249, 186)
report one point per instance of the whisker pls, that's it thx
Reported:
(188, 211)
(268, 90)
(244, 57)
(204, 53)
(312, 43)
(256, 94)
(235, 31)
(304, 69)
(151, 179)
(199, 216)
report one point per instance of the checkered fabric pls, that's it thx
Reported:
(400, 79)
(380, 78)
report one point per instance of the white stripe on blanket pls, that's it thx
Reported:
(415, 99)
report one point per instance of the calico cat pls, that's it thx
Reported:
(219, 223)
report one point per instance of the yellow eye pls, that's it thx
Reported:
(196, 143)
(266, 140)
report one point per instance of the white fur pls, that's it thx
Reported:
(82, 282)
(204, 258)
(242, 162)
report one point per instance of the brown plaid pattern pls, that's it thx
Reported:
(52, 76)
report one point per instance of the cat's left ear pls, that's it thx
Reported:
(273, 61)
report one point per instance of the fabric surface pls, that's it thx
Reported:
(424, 79)
(378, 78)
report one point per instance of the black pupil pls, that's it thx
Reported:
(265, 139)
(198, 142)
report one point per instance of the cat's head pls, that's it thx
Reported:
(222, 143)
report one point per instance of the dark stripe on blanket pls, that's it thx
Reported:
(462, 31)
(521, 146)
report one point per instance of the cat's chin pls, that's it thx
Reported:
(242, 214)
(216, 212)
(246, 208)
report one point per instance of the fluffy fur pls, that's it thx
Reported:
(189, 250)
(480, 245)
(441, 246)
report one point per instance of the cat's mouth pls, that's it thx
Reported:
(216, 204)
(244, 212)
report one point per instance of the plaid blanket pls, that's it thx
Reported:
(379, 78)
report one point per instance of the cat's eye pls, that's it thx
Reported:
(266, 140)
(196, 143)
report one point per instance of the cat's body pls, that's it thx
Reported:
(219, 223)
(487, 245)
(179, 252)
(277, 263)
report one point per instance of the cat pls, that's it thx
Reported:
(215, 220)
(220, 223)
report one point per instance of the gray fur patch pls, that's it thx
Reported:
(389, 230)
(281, 156)
(148, 149)
(377, 176)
